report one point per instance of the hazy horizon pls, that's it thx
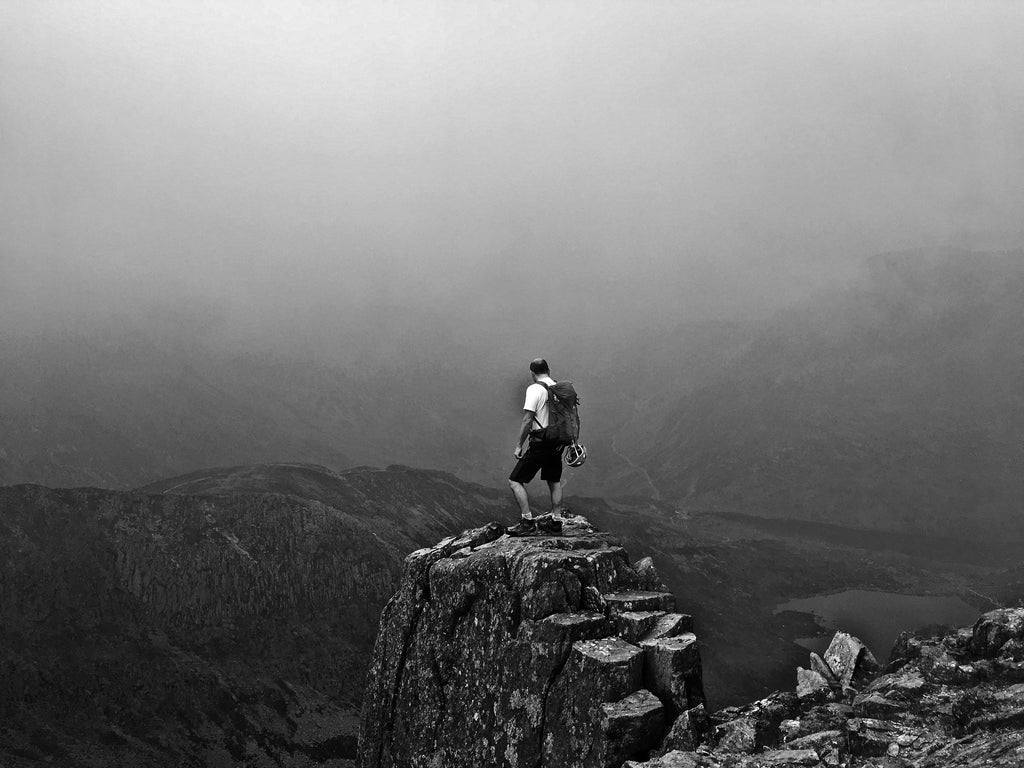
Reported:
(507, 166)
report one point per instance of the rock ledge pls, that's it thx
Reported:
(535, 651)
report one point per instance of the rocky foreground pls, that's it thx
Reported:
(537, 651)
(551, 651)
(944, 699)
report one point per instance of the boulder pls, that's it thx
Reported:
(631, 727)
(1012, 650)
(818, 665)
(672, 670)
(746, 729)
(739, 735)
(770, 711)
(906, 649)
(811, 685)
(992, 631)
(941, 668)
(647, 575)
(687, 732)
(850, 660)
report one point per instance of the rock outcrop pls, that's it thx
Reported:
(555, 651)
(954, 699)
(529, 652)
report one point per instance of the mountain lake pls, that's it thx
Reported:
(877, 618)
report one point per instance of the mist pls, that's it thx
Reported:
(307, 170)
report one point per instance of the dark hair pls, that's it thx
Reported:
(539, 366)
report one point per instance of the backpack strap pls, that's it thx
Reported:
(549, 397)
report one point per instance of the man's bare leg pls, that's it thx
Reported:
(556, 498)
(519, 491)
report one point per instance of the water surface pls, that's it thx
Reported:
(877, 618)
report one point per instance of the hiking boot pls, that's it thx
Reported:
(524, 527)
(549, 524)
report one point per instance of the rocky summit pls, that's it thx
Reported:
(557, 650)
(528, 652)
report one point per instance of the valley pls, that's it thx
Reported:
(248, 598)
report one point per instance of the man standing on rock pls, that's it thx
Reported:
(538, 455)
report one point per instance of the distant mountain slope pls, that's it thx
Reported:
(897, 404)
(894, 403)
(227, 624)
(122, 407)
(122, 404)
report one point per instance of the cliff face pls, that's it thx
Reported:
(537, 651)
(556, 651)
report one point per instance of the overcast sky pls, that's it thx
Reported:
(672, 159)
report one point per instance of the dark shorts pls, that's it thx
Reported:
(539, 456)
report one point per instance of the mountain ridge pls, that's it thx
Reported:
(895, 404)
(196, 629)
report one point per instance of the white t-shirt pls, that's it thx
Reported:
(537, 401)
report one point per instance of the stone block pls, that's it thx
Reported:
(672, 669)
(639, 600)
(631, 727)
(669, 625)
(566, 628)
(596, 672)
(632, 625)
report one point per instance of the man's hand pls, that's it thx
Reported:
(524, 431)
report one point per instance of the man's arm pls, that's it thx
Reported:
(524, 432)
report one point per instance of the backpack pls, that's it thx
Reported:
(563, 414)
